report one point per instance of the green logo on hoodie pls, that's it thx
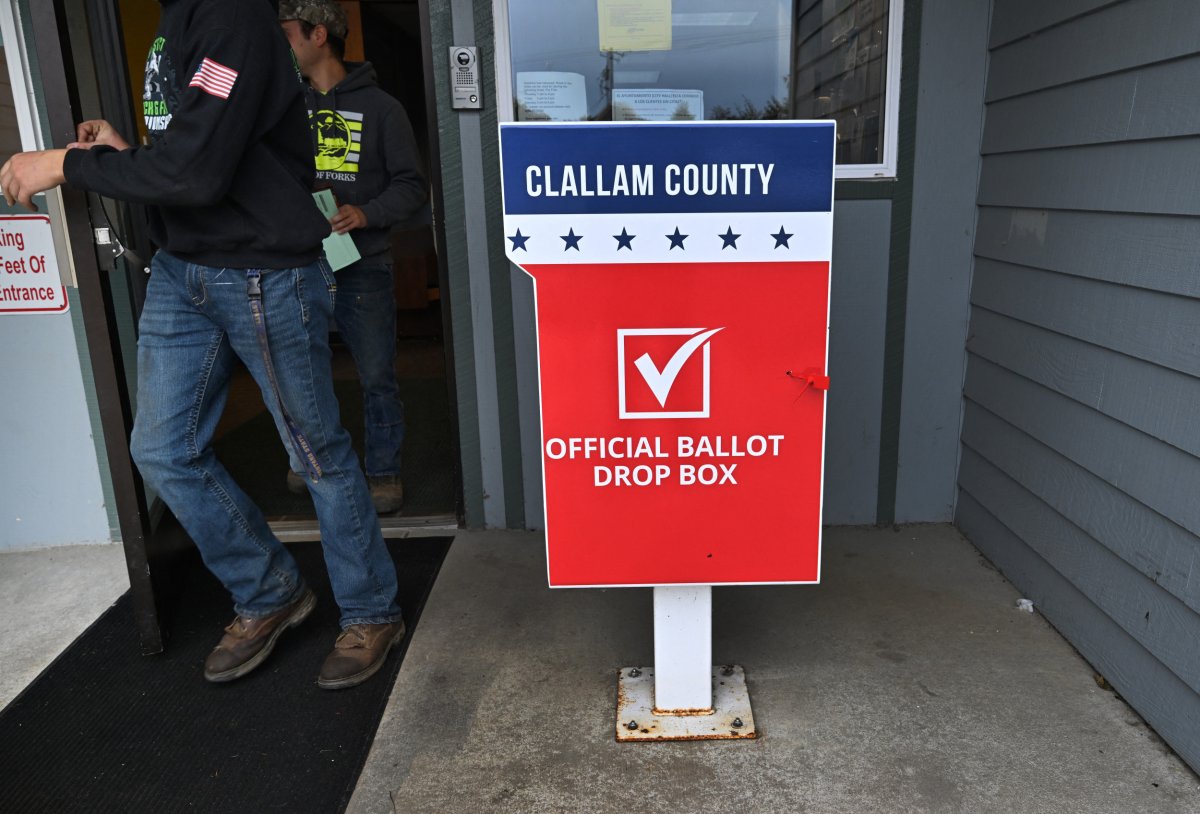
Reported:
(339, 134)
(160, 92)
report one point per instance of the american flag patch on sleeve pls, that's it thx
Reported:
(214, 79)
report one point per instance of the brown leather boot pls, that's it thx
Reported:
(358, 654)
(387, 493)
(248, 642)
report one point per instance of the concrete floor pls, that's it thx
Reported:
(907, 682)
(47, 598)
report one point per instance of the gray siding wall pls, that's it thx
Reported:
(1081, 437)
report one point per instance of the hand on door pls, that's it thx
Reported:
(26, 174)
(98, 132)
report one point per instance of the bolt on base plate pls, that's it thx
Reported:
(730, 719)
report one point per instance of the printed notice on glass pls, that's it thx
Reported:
(29, 280)
(657, 105)
(551, 96)
(634, 26)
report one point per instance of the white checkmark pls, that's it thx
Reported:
(660, 382)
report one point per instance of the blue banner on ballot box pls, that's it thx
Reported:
(651, 168)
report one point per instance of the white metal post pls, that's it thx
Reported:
(683, 649)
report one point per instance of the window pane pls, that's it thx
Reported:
(697, 59)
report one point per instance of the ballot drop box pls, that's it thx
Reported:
(681, 277)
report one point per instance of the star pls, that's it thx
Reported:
(781, 239)
(572, 239)
(676, 240)
(519, 241)
(624, 240)
(730, 239)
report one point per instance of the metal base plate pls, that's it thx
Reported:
(731, 718)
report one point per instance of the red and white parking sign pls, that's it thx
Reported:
(681, 273)
(29, 278)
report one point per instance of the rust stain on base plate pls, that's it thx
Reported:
(730, 719)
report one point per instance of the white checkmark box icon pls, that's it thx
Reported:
(661, 381)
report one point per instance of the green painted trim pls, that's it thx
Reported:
(503, 335)
(897, 293)
(457, 270)
(864, 190)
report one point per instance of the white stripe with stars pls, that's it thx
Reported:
(658, 238)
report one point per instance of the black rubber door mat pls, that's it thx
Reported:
(105, 729)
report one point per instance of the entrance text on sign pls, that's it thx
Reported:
(12, 293)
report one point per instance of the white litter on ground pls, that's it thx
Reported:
(1025, 605)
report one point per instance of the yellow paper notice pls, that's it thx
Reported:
(626, 25)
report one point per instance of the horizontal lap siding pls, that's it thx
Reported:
(1159, 328)
(1158, 475)
(1080, 463)
(1014, 19)
(1154, 252)
(1120, 37)
(1158, 177)
(1107, 381)
(1165, 701)
(1159, 622)
(1128, 106)
(1162, 551)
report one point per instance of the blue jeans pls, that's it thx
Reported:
(195, 324)
(366, 319)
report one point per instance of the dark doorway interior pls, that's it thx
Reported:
(91, 56)
(388, 34)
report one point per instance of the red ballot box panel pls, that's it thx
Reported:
(681, 285)
(676, 447)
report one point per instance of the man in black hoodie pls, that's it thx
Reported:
(365, 152)
(239, 275)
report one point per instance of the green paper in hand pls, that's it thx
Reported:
(340, 250)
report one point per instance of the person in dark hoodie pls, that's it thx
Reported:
(365, 152)
(239, 274)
